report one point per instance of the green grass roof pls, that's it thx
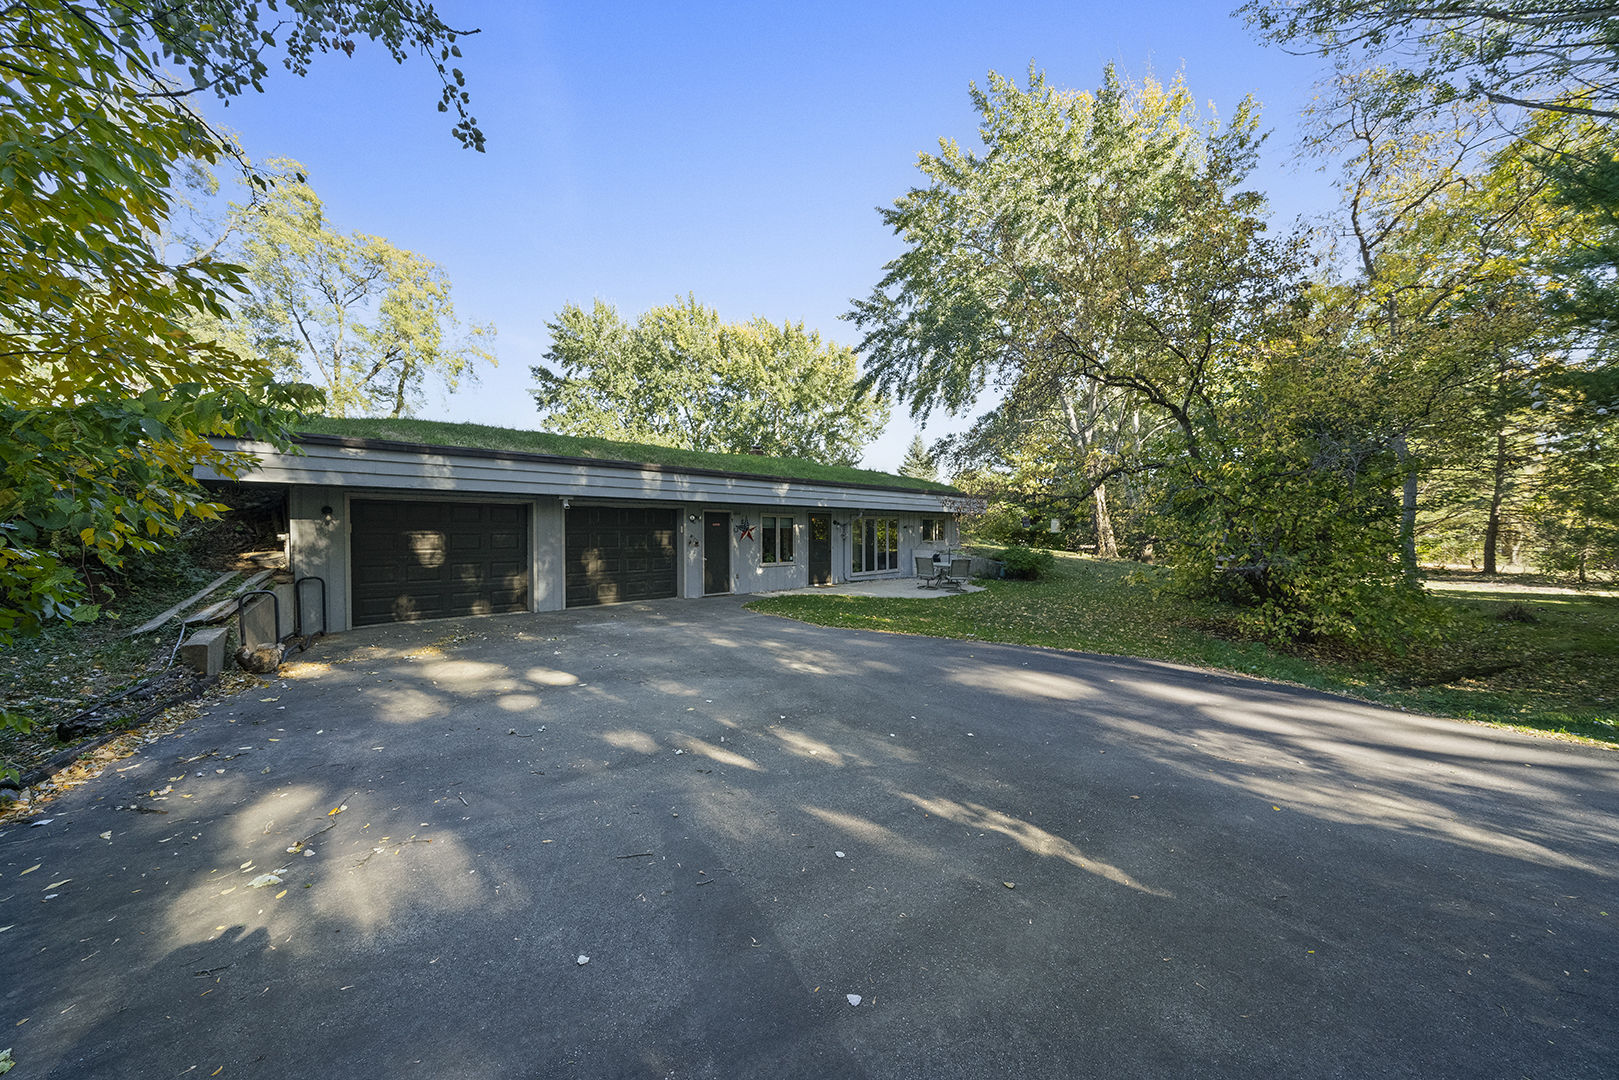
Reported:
(483, 437)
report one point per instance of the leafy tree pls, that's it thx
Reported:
(1519, 62)
(681, 377)
(1104, 241)
(1529, 54)
(918, 462)
(1054, 453)
(1575, 515)
(1585, 172)
(366, 321)
(1450, 228)
(107, 397)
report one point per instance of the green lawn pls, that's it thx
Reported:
(1559, 673)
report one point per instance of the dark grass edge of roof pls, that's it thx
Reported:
(357, 442)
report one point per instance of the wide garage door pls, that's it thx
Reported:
(619, 553)
(432, 560)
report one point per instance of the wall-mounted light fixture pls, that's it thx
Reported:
(326, 514)
(692, 518)
(565, 504)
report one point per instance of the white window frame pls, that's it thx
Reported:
(890, 554)
(770, 551)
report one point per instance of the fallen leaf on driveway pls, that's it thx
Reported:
(31, 869)
(56, 884)
(583, 960)
(339, 810)
(262, 880)
(854, 999)
(270, 698)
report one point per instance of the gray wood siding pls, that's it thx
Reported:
(337, 466)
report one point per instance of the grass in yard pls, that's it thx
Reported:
(1550, 665)
(484, 437)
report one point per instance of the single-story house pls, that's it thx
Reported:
(460, 519)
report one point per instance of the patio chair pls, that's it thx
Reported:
(928, 573)
(959, 573)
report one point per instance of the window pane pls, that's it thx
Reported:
(786, 535)
(767, 543)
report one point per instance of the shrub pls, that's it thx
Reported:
(1026, 563)
(1517, 612)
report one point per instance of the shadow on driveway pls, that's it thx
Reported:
(1023, 863)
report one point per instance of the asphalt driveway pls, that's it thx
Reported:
(1024, 863)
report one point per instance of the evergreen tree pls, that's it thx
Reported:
(918, 462)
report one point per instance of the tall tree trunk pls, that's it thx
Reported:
(1408, 514)
(1080, 435)
(1106, 547)
(1492, 528)
(399, 393)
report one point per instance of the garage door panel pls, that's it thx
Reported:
(373, 574)
(425, 560)
(617, 554)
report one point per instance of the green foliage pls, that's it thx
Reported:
(1584, 170)
(1523, 53)
(110, 475)
(222, 45)
(1560, 674)
(367, 321)
(918, 462)
(1059, 253)
(681, 378)
(107, 395)
(1489, 238)
(1576, 513)
(481, 436)
(1103, 243)
(1026, 563)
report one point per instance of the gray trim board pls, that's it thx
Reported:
(451, 471)
(425, 449)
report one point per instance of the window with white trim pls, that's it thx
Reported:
(776, 539)
(876, 545)
(932, 530)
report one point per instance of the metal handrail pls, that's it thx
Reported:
(241, 627)
(298, 606)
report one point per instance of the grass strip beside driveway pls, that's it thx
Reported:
(1558, 674)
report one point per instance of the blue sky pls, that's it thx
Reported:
(638, 152)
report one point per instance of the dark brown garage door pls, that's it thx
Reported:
(619, 553)
(431, 560)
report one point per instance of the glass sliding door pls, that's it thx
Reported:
(876, 545)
